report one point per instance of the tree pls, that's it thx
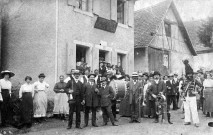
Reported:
(205, 32)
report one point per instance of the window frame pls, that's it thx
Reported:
(168, 29)
(121, 15)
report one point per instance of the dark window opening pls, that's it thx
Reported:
(120, 11)
(82, 4)
(167, 29)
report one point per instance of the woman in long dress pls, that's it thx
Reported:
(40, 98)
(26, 94)
(61, 106)
(124, 109)
(208, 95)
(5, 92)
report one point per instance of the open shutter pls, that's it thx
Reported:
(71, 57)
(126, 12)
(96, 7)
(131, 13)
(114, 10)
(71, 2)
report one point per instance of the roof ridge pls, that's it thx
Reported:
(152, 6)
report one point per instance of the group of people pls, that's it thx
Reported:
(146, 94)
(32, 97)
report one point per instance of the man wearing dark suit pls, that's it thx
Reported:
(106, 92)
(135, 94)
(153, 90)
(74, 89)
(91, 100)
(171, 92)
(176, 84)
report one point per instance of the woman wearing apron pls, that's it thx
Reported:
(26, 94)
(208, 95)
(5, 91)
(40, 98)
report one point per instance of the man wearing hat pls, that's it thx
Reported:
(134, 89)
(171, 92)
(155, 88)
(71, 76)
(74, 89)
(106, 93)
(91, 100)
(176, 84)
(5, 93)
(190, 104)
(111, 82)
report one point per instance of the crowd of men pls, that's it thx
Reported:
(99, 90)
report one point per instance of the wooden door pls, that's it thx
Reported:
(156, 59)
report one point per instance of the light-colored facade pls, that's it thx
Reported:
(46, 36)
(166, 50)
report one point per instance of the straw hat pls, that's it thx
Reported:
(11, 74)
(134, 74)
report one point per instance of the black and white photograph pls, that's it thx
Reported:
(106, 67)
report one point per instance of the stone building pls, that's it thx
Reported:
(161, 39)
(50, 36)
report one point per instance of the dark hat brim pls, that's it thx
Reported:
(210, 124)
(91, 74)
(11, 74)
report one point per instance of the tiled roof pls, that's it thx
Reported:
(147, 20)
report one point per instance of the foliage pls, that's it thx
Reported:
(205, 32)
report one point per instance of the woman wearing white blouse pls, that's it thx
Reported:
(26, 94)
(208, 94)
(5, 92)
(40, 98)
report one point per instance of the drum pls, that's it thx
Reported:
(121, 88)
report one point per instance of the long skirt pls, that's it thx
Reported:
(27, 108)
(61, 105)
(5, 106)
(208, 101)
(125, 109)
(40, 104)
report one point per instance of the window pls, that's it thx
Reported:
(82, 4)
(167, 29)
(120, 11)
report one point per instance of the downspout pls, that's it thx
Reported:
(56, 43)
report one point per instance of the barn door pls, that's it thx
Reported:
(158, 60)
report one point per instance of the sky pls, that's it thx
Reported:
(189, 10)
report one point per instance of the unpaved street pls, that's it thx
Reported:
(55, 127)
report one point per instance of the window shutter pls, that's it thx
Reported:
(71, 57)
(71, 2)
(126, 12)
(131, 13)
(96, 7)
(113, 10)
